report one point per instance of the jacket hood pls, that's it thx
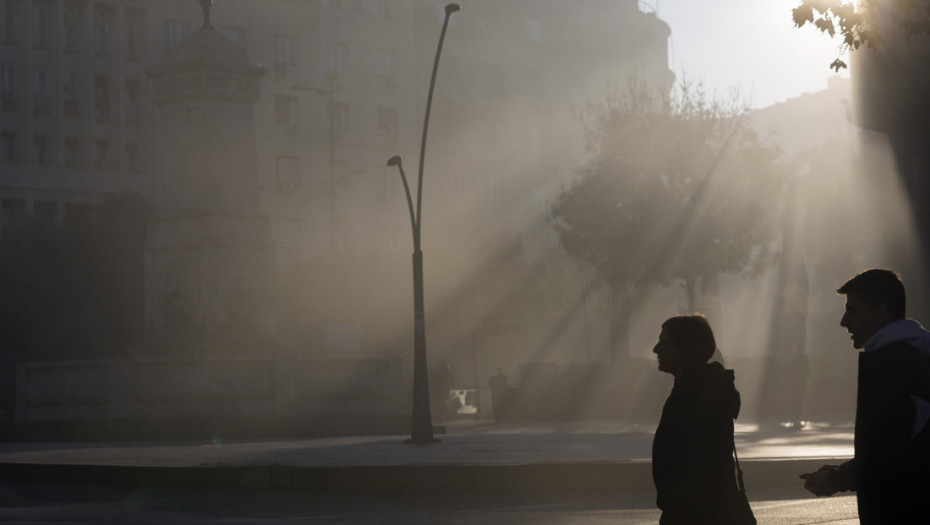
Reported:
(902, 330)
(721, 383)
(907, 331)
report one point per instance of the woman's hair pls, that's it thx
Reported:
(693, 337)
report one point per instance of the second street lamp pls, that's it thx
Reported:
(422, 424)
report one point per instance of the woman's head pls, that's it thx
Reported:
(692, 339)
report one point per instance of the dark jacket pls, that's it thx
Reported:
(890, 471)
(692, 453)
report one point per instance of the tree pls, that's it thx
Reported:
(675, 189)
(861, 25)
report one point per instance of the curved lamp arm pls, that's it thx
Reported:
(450, 8)
(397, 161)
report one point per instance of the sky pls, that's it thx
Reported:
(751, 45)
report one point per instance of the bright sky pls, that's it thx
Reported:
(749, 44)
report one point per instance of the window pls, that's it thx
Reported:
(7, 78)
(9, 146)
(481, 24)
(8, 88)
(40, 82)
(100, 153)
(69, 92)
(132, 156)
(72, 152)
(284, 50)
(288, 171)
(8, 26)
(40, 102)
(236, 34)
(339, 116)
(375, 7)
(175, 32)
(387, 120)
(385, 63)
(285, 110)
(131, 91)
(45, 213)
(77, 214)
(102, 98)
(101, 30)
(337, 56)
(40, 19)
(533, 29)
(40, 148)
(13, 212)
(72, 19)
(135, 28)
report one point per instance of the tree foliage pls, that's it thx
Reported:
(674, 189)
(861, 25)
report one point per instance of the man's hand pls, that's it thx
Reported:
(818, 482)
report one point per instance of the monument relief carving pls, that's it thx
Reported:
(239, 289)
(178, 290)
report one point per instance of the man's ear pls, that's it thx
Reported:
(883, 313)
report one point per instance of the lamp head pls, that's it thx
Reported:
(451, 8)
(394, 161)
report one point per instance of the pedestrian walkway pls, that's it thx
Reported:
(472, 455)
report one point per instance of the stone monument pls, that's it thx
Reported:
(211, 363)
(210, 261)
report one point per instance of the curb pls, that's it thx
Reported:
(553, 476)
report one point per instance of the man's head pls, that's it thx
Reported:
(874, 298)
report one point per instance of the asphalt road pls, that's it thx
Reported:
(89, 504)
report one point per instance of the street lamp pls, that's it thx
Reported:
(422, 424)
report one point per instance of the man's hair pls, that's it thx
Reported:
(693, 337)
(878, 286)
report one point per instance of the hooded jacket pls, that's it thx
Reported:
(692, 452)
(891, 468)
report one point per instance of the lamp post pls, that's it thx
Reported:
(422, 424)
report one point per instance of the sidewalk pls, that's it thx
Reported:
(473, 455)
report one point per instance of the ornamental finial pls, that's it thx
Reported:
(205, 5)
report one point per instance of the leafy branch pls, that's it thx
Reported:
(858, 27)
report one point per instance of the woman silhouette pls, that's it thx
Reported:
(692, 452)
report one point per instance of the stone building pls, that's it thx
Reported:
(889, 89)
(78, 123)
(83, 117)
(344, 91)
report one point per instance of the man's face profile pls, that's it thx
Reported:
(863, 320)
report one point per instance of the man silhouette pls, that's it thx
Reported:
(891, 468)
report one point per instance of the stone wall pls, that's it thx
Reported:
(238, 390)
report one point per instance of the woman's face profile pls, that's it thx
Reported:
(668, 354)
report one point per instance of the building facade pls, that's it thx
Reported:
(345, 91)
